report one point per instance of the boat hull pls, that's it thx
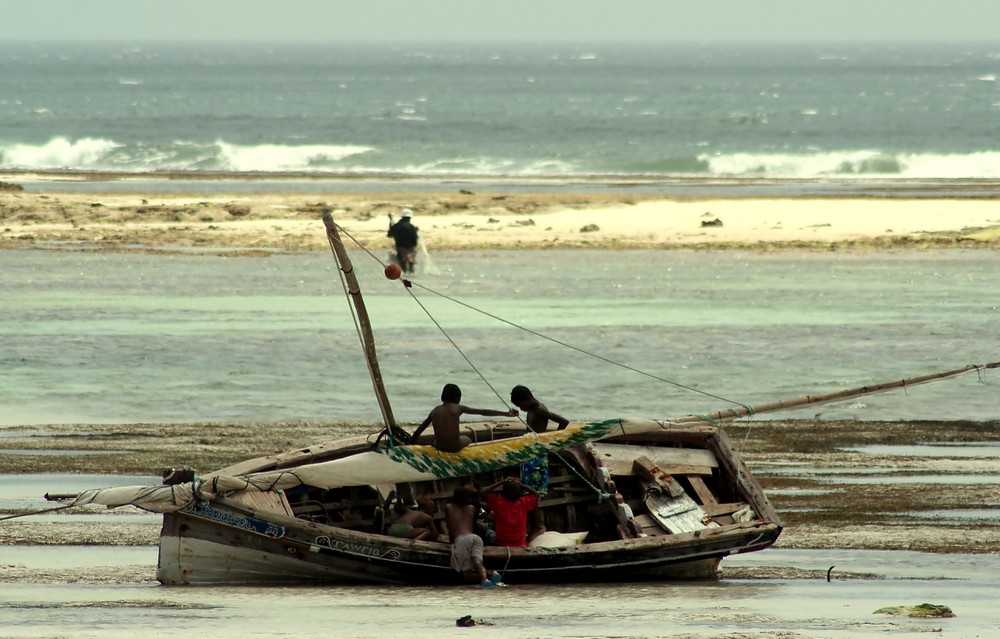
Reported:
(223, 543)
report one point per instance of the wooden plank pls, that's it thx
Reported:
(265, 501)
(618, 458)
(546, 502)
(669, 505)
(715, 510)
(684, 469)
(649, 525)
(704, 494)
(570, 518)
(647, 470)
(676, 514)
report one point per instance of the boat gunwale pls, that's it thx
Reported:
(443, 547)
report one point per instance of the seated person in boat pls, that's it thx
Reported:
(414, 523)
(466, 545)
(511, 509)
(535, 473)
(483, 522)
(444, 418)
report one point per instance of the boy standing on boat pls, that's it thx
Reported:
(535, 472)
(536, 415)
(445, 417)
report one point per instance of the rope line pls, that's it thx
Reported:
(575, 348)
(36, 512)
(457, 347)
(409, 288)
(347, 294)
(389, 429)
(743, 444)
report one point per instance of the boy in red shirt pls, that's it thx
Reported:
(510, 511)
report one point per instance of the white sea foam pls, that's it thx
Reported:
(985, 164)
(99, 154)
(860, 163)
(282, 157)
(59, 152)
(563, 111)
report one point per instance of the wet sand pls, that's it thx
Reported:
(888, 502)
(474, 220)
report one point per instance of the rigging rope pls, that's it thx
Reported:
(408, 284)
(572, 347)
(36, 512)
(457, 347)
(347, 295)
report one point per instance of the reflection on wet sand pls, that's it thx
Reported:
(760, 600)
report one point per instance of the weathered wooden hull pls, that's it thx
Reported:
(269, 537)
(222, 543)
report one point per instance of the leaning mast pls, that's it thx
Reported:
(364, 325)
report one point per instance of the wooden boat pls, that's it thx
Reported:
(662, 505)
(627, 499)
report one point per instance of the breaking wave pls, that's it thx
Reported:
(846, 164)
(98, 154)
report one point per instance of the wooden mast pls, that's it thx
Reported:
(367, 338)
(811, 400)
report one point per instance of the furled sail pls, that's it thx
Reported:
(379, 466)
(417, 463)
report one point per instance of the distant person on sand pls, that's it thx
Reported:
(415, 523)
(466, 545)
(535, 472)
(445, 420)
(405, 235)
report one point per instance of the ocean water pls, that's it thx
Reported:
(845, 111)
(89, 337)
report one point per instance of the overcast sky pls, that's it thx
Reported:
(503, 20)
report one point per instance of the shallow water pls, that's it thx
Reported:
(962, 516)
(746, 607)
(128, 338)
(877, 475)
(61, 452)
(122, 338)
(27, 491)
(965, 449)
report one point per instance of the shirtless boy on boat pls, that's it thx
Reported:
(536, 415)
(445, 417)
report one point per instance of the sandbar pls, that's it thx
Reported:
(465, 220)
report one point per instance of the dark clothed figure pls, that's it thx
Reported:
(406, 237)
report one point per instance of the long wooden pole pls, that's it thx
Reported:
(367, 338)
(810, 400)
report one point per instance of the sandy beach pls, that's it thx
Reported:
(475, 220)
